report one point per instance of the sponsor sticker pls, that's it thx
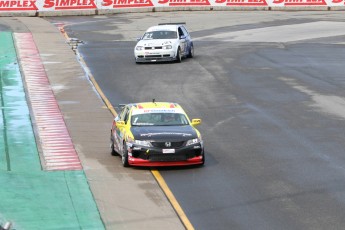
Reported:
(127, 3)
(70, 4)
(301, 2)
(165, 133)
(13, 5)
(243, 2)
(143, 111)
(338, 1)
(185, 2)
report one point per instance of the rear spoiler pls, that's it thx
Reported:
(172, 23)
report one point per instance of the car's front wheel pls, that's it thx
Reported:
(124, 156)
(178, 55)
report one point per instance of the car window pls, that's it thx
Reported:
(160, 35)
(159, 119)
(180, 32)
(184, 31)
(124, 114)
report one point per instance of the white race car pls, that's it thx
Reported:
(165, 42)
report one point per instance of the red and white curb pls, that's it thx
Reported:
(57, 147)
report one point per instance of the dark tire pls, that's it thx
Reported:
(191, 52)
(178, 55)
(112, 149)
(124, 157)
(113, 152)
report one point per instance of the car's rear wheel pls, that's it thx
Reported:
(112, 149)
(178, 55)
(191, 51)
(113, 152)
(124, 156)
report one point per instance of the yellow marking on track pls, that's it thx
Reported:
(176, 206)
(172, 200)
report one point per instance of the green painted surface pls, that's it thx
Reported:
(48, 200)
(29, 197)
(18, 149)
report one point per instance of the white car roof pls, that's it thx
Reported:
(163, 27)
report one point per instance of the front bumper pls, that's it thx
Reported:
(140, 162)
(143, 56)
(152, 156)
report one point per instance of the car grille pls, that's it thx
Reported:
(178, 144)
(168, 157)
(153, 48)
(153, 56)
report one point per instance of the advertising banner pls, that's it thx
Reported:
(84, 5)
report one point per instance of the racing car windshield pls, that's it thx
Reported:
(160, 35)
(159, 119)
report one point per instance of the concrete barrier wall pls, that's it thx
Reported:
(92, 7)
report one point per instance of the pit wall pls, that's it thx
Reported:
(96, 7)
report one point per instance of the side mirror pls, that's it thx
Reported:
(196, 121)
(139, 38)
(120, 124)
(182, 37)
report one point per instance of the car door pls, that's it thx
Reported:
(188, 39)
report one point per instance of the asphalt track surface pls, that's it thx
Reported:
(269, 87)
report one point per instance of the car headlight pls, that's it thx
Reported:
(139, 48)
(193, 141)
(167, 47)
(142, 143)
